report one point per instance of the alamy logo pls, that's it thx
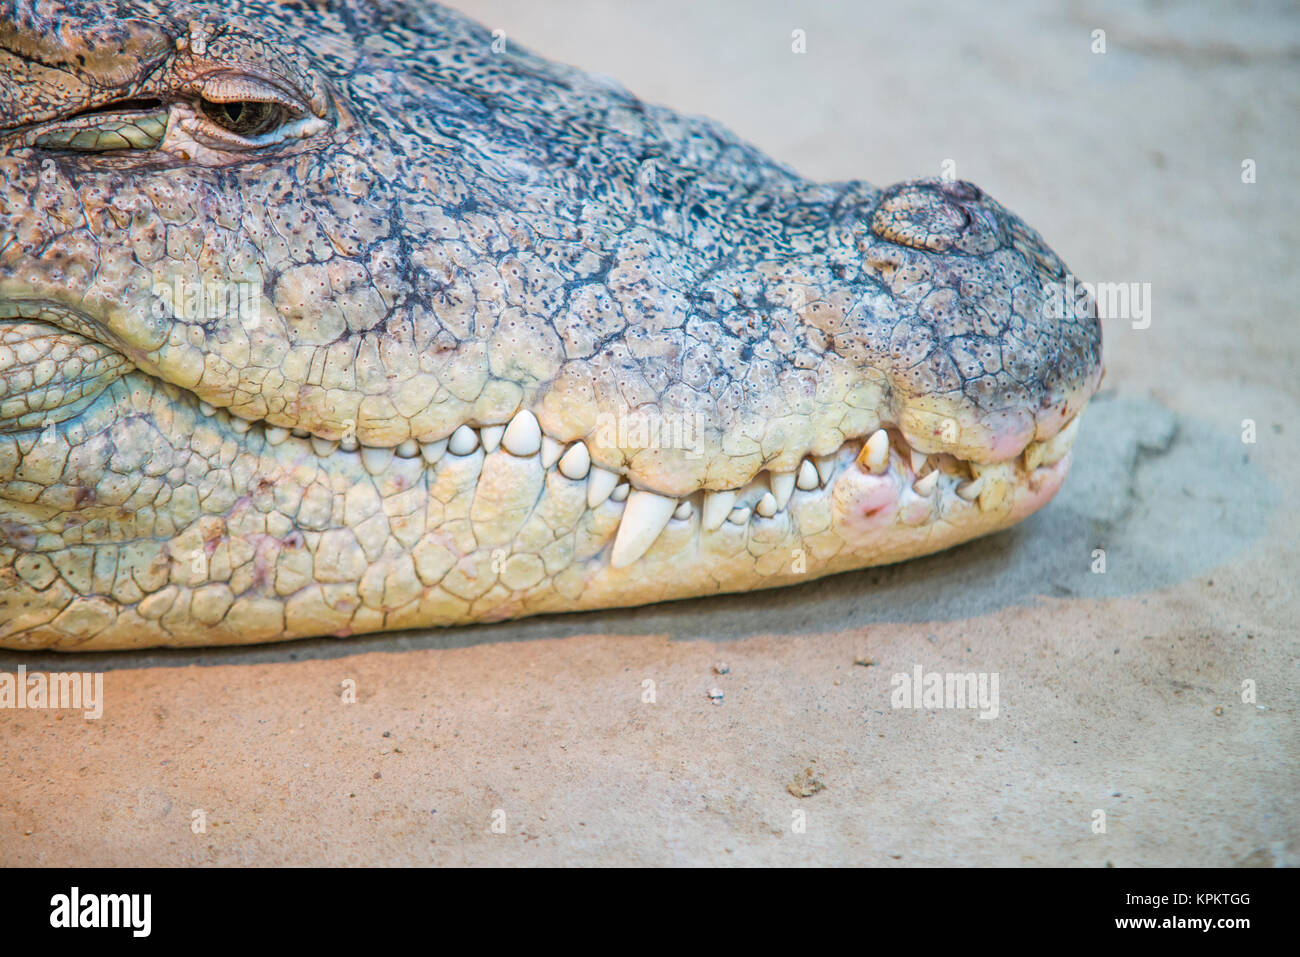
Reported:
(209, 299)
(937, 690)
(1113, 300)
(649, 429)
(82, 691)
(103, 910)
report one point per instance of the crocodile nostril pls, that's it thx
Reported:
(937, 216)
(921, 219)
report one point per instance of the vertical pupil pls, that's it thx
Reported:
(249, 118)
(246, 117)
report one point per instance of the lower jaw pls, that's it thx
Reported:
(275, 542)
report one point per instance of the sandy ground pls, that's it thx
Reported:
(1120, 692)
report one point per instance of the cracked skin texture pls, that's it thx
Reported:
(419, 233)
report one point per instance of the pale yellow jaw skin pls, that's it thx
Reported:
(159, 524)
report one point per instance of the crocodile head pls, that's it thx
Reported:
(333, 317)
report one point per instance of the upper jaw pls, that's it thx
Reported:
(674, 449)
(873, 308)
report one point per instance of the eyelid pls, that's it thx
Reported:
(237, 87)
(200, 127)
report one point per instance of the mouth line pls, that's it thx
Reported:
(928, 487)
(943, 485)
(885, 450)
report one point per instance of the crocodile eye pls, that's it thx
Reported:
(246, 118)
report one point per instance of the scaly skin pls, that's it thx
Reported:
(428, 238)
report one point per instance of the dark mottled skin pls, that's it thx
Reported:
(461, 233)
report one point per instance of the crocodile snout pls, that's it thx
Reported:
(980, 357)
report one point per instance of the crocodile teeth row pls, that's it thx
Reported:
(646, 514)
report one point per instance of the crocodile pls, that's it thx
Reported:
(330, 317)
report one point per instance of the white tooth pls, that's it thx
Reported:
(782, 488)
(717, 506)
(463, 441)
(766, 505)
(825, 466)
(620, 492)
(739, 515)
(643, 519)
(523, 436)
(349, 443)
(1034, 452)
(300, 433)
(600, 483)
(808, 477)
(1055, 448)
(240, 425)
(925, 487)
(376, 461)
(551, 451)
(918, 461)
(576, 463)
(971, 489)
(683, 511)
(323, 447)
(206, 409)
(492, 437)
(408, 449)
(875, 454)
(275, 435)
(433, 451)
